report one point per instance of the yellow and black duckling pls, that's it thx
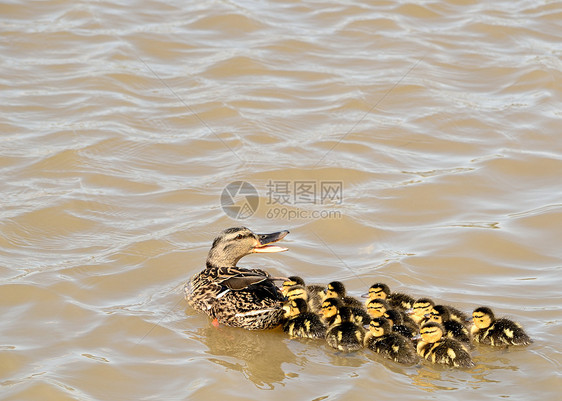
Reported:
(424, 306)
(400, 326)
(419, 309)
(377, 307)
(313, 296)
(453, 328)
(337, 289)
(232, 295)
(442, 350)
(316, 289)
(331, 306)
(396, 300)
(302, 323)
(344, 334)
(381, 339)
(329, 310)
(496, 332)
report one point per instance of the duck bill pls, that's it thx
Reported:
(265, 241)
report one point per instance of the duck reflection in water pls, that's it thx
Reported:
(258, 357)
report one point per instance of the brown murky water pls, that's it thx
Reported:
(412, 142)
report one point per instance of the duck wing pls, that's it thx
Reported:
(239, 283)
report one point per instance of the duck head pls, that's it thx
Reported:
(290, 282)
(483, 317)
(330, 307)
(379, 327)
(421, 308)
(236, 242)
(377, 290)
(431, 332)
(438, 314)
(377, 307)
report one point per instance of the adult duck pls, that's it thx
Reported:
(235, 296)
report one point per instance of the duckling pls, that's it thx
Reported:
(419, 309)
(441, 350)
(424, 306)
(329, 310)
(314, 292)
(377, 307)
(497, 332)
(331, 306)
(344, 334)
(235, 296)
(297, 280)
(381, 339)
(396, 300)
(302, 323)
(453, 328)
(337, 289)
(398, 325)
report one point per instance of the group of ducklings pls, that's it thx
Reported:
(400, 328)
(394, 325)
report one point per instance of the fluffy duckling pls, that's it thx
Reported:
(329, 310)
(398, 325)
(232, 295)
(396, 300)
(497, 332)
(419, 309)
(381, 339)
(337, 289)
(344, 335)
(331, 306)
(377, 307)
(441, 350)
(424, 306)
(453, 328)
(315, 292)
(300, 291)
(302, 323)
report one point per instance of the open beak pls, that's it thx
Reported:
(265, 241)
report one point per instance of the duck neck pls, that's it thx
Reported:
(221, 259)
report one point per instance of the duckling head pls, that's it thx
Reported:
(431, 332)
(330, 307)
(297, 292)
(236, 242)
(420, 308)
(298, 306)
(379, 326)
(378, 290)
(291, 281)
(483, 317)
(438, 314)
(377, 307)
(335, 289)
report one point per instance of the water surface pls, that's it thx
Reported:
(122, 123)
